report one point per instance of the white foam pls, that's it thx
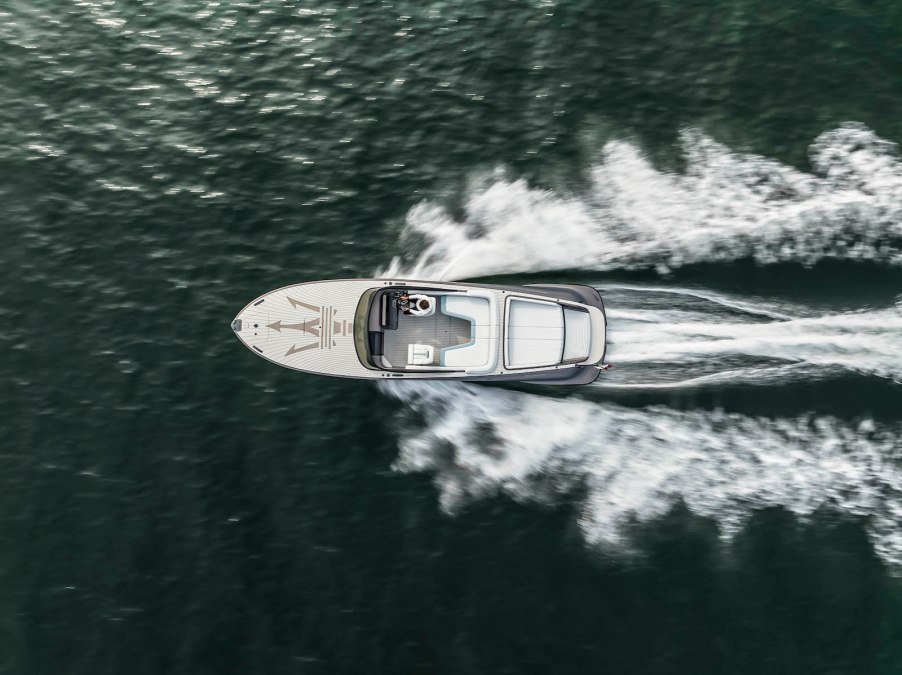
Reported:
(634, 464)
(725, 206)
(758, 307)
(690, 329)
(686, 378)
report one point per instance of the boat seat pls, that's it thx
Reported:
(478, 351)
(577, 335)
(420, 355)
(534, 333)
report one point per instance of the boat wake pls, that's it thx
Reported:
(725, 206)
(633, 464)
(673, 337)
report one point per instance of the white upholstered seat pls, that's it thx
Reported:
(478, 351)
(535, 333)
(420, 355)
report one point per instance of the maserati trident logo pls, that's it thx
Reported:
(323, 326)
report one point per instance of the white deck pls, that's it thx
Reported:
(308, 326)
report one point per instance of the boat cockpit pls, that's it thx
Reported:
(428, 330)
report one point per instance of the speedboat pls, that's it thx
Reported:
(426, 330)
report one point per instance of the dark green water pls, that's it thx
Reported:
(169, 503)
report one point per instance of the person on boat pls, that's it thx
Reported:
(403, 302)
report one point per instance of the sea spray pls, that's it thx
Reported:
(724, 206)
(632, 465)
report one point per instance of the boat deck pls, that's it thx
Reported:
(438, 331)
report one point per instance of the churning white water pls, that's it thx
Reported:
(726, 205)
(668, 336)
(633, 464)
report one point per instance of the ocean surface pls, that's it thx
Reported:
(728, 499)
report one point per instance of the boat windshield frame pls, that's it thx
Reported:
(361, 328)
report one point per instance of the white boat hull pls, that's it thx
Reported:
(311, 327)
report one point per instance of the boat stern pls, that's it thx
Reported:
(598, 345)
